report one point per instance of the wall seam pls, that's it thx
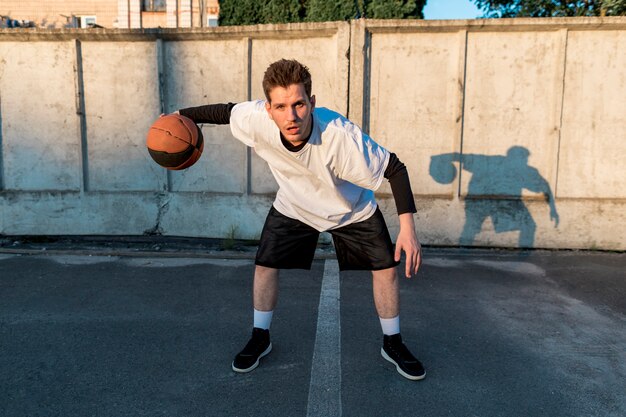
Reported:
(82, 117)
(347, 63)
(160, 50)
(248, 87)
(160, 54)
(348, 52)
(1, 149)
(558, 148)
(355, 83)
(367, 73)
(462, 136)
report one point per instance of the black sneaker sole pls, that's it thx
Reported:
(255, 364)
(400, 371)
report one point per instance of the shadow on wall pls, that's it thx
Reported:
(495, 191)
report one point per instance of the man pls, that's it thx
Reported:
(327, 171)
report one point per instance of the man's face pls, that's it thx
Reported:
(290, 108)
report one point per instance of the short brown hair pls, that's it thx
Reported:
(284, 73)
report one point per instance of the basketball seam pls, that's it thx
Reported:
(172, 135)
(190, 132)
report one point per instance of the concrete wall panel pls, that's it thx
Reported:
(512, 99)
(229, 216)
(121, 102)
(593, 138)
(415, 101)
(207, 72)
(106, 213)
(58, 213)
(593, 224)
(40, 134)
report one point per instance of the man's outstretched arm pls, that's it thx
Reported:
(217, 114)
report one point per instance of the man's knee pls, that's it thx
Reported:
(385, 275)
(264, 273)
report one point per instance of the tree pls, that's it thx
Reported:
(328, 11)
(283, 11)
(551, 8)
(395, 9)
(614, 7)
(240, 12)
(252, 12)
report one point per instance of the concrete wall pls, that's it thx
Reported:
(490, 117)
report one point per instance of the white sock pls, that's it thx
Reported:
(390, 326)
(263, 319)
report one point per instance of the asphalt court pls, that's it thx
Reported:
(500, 333)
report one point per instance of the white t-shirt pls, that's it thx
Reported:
(327, 184)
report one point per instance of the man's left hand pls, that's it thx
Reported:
(407, 242)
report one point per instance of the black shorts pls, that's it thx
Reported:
(287, 243)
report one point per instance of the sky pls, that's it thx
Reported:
(451, 9)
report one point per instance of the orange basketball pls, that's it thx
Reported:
(175, 142)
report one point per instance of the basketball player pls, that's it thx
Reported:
(327, 170)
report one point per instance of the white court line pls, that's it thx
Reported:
(325, 386)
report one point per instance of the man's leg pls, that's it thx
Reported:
(387, 301)
(367, 245)
(285, 243)
(265, 288)
(265, 296)
(385, 286)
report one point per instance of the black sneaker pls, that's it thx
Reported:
(397, 353)
(258, 346)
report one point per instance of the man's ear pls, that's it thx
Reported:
(312, 100)
(268, 107)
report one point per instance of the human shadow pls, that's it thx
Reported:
(495, 191)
